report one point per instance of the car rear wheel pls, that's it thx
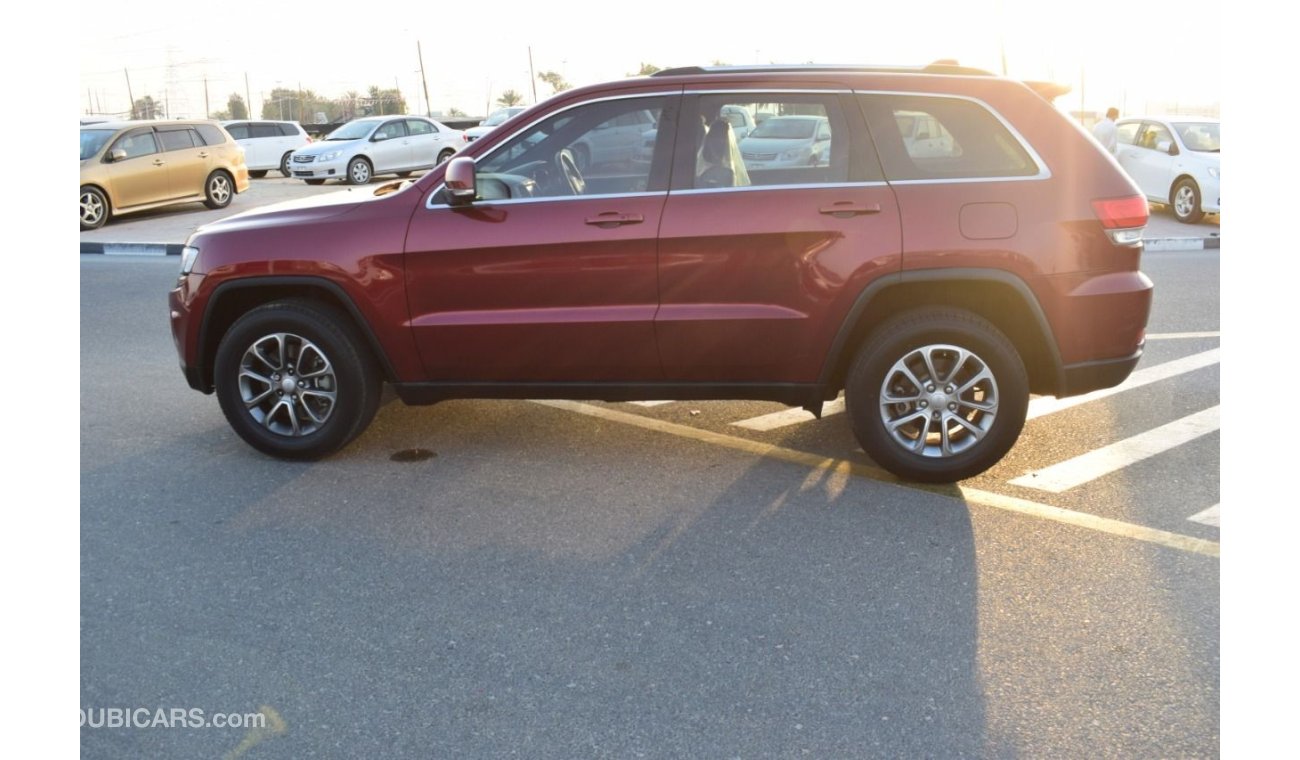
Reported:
(94, 208)
(219, 190)
(445, 155)
(295, 381)
(1185, 199)
(284, 164)
(359, 171)
(936, 395)
(257, 173)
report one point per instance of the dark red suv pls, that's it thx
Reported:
(937, 242)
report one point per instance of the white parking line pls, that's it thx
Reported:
(650, 403)
(1098, 462)
(789, 417)
(1178, 336)
(1208, 517)
(1048, 404)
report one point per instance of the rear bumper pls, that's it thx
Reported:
(1086, 377)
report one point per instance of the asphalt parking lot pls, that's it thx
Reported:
(704, 579)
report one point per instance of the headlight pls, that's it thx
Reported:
(1214, 171)
(189, 255)
(329, 156)
(790, 155)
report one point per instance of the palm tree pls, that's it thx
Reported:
(510, 98)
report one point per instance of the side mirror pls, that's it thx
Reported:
(1167, 146)
(460, 181)
(118, 154)
(379, 138)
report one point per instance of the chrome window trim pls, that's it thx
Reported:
(547, 199)
(1043, 171)
(428, 203)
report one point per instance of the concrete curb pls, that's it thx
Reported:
(1181, 244)
(133, 249)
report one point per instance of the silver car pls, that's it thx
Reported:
(374, 145)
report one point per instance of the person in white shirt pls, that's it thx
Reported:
(1106, 133)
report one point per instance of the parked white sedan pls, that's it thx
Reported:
(1173, 160)
(364, 148)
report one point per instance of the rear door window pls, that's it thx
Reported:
(921, 137)
(1127, 133)
(265, 130)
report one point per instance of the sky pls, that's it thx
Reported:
(1132, 60)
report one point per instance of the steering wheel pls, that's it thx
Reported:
(569, 169)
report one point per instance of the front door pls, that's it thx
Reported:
(549, 276)
(141, 177)
(390, 148)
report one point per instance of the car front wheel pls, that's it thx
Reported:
(1186, 201)
(358, 171)
(295, 381)
(94, 208)
(936, 395)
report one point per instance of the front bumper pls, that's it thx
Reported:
(332, 169)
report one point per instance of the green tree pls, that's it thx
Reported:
(646, 70)
(236, 107)
(454, 111)
(384, 102)
(556, 81)
(146, 108)
(510, 98)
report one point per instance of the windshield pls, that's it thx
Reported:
(353, 130)
(785, 129)
(92, 140)
(1199, 136)
(499, 117)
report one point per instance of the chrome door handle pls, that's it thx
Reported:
(612, 219)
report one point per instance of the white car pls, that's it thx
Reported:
(494, 120)
(374, 145)
(787, 141)
(267, 144)
(1173, 160)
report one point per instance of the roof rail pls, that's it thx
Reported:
(944, 67)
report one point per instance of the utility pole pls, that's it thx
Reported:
(302, 103)
(397, 102)
(90, 103)
(207, 107)
(531, 76)
(128, 91)
(428, 108)
(248, 105)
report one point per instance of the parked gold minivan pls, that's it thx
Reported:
(136, 165)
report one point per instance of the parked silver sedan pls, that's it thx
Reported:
(374, 145)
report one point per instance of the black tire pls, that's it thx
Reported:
(360, 172)
(932, 332)
(284, 164)
(352, 379)
(257, 173)
(218, 190)
(1185, 201)
(95, 210)
(314, 181)
(445, 155)
(403, 175)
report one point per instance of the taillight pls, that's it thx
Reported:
(1123, 218)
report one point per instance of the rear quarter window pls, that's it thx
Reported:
(212, 135)
(289, 130)
(938, 138)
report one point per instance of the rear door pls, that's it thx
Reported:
(188, 160)
(424, 142)
(758, 267)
